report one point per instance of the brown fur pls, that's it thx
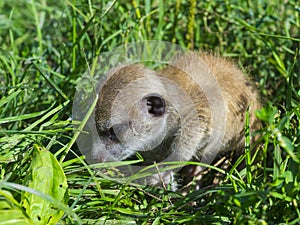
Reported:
(188, 118)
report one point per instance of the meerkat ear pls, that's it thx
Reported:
(156, 105)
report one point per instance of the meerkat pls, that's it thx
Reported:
(193, 109)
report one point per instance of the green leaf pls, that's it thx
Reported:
(11, 212)
(267, 113)
(287, 145)
(9, 98)
(21, 117)
(14, 217)
(46, 176)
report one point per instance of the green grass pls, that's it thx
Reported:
(46, 46)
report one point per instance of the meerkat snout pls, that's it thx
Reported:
(174, 114)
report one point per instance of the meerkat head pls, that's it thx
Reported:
(131, 113)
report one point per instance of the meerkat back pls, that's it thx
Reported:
(204, 75)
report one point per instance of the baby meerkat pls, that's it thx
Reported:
(192, 109)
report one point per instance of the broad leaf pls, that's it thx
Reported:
(46, 176)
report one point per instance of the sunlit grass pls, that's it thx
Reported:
(46, 46)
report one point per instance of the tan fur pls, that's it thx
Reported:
(187, 126)
(238, 91)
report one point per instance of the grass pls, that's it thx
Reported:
(46, 46)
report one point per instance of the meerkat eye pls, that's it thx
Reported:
(108, 133)
(112, 135)
(156, 105)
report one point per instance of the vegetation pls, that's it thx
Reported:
(46, 46)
